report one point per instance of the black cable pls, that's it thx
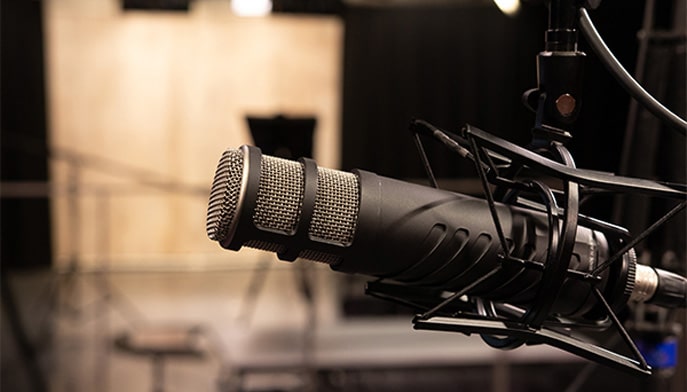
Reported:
(625, 79)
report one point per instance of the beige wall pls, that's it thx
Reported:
(141, 97)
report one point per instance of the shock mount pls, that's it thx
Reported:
(505, 172)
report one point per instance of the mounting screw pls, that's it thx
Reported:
(565, 104)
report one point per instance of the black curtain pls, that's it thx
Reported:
(454, 64)
(26, 240)
(449, 65)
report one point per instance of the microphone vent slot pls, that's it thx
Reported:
(224, 195)
(336, 207)
(280, 195)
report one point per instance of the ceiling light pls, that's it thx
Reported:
(508, 7)
(251, 7)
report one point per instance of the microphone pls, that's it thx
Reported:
(360, 222)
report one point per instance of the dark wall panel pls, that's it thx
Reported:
(25, 222)
(450, 65)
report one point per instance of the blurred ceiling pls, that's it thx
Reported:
(325, 7)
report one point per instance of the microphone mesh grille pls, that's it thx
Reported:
(280, 195)
(224, 194)
(279, 203)
(336, 207)
(322, 257)
(264, 245)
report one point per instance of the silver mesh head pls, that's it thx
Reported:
(224, 195)
(279, 205)
(336, 207)
(280, 195)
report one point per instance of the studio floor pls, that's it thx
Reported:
(73, 322)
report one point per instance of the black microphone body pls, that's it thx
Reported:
(443, 240)
(368, 224)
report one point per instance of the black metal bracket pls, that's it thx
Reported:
(499, 164)
(502, 168)
(534, 336)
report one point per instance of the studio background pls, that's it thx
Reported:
(113, 121)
